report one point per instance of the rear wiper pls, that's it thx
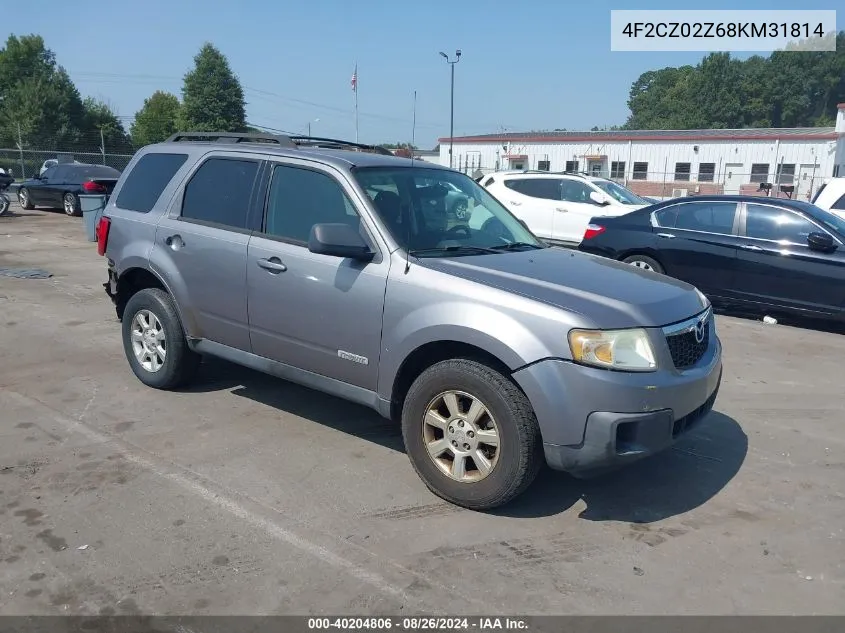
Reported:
(513, 245)
(454, 250)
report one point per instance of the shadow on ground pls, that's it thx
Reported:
(671, 483)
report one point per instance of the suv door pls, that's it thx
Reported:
(697, 243)
(574, 210)
(315, 312)
(202, 246)
(775, 265)
(533, 200)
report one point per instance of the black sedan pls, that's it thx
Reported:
(748, 251)
(60, 187)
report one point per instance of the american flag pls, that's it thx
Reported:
(354, 80)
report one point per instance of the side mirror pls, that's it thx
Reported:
(821, 242)
(339, 240)
(599, 198)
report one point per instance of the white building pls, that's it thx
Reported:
(664, 163)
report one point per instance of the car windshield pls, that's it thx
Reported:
(619, 193)
(437, 212)
(830, 220)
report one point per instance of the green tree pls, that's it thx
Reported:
(156, 120)
(37, 97)
(104, 125)
(212, 96)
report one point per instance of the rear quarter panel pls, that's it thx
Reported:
(624, 235)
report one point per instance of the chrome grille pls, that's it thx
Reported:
(688, 341)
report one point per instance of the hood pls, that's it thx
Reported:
(607, 293)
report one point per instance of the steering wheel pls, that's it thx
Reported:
(460, 228)
(494, 227)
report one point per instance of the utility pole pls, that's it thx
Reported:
(452, 103)
(20, 148)
(103, 145)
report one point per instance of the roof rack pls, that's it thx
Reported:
(282, 140)
(231, 137)
(333, 143)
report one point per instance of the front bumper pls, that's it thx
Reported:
(594, 420)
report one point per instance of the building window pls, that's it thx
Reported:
(543, 165)
(759, 172)
(572, 166)
(640, 171)
(706, 171)
(682, 171)
(786, 174)
(617, 170)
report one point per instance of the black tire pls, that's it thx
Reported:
(180, 362)
(644, 259)
(520, 446)
(24, 200)
(70, 204)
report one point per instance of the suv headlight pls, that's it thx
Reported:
(624, 350)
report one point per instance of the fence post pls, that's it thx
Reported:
(20, 148)
(103, 145)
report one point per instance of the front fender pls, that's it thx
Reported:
(467, 322)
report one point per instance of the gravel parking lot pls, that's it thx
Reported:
(249, 495)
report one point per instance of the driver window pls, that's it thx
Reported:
(575, 191)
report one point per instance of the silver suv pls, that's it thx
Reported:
(339, 267)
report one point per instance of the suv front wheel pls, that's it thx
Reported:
(154, 341)
(471, 434)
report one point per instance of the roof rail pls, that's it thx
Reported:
(333, 143)
(231, 137)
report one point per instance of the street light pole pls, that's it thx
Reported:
(452, 103)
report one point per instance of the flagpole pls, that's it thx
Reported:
(356, 102)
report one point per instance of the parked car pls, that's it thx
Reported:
(490, 348)
(60, 186)
(6, 179)
(831, 196)
(557, 207)
(760, 253)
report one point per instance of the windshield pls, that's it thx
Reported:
(433, 212)
(619, 193)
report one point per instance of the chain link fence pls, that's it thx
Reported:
(27, 162)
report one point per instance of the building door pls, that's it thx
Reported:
(805, 185)
(733, 177)
(596, 167)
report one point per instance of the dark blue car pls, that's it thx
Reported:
(753, 252)
(60, 187)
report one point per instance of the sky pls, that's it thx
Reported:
(528, 65)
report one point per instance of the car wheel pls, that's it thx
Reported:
(471, 434)
(155, 343)
(23, 199)
(70, 203)
(5, 203)
(644, 262)
(460, 209)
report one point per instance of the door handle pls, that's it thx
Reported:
(273, 264)
(174, 241)
(668, 236)
(515, 203)
(561, 210)
(750, 247)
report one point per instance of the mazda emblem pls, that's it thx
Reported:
(700, 330)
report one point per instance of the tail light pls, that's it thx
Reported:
(93, 187)
(103, 227)
(593, 230)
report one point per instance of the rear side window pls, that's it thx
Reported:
(147, 180)
(709, 217)
(839, 204)
(219, 192)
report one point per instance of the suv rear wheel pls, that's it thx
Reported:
(154, 341)
(471, 434)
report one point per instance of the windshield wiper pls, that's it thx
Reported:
(512, 245)
(461, 249)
